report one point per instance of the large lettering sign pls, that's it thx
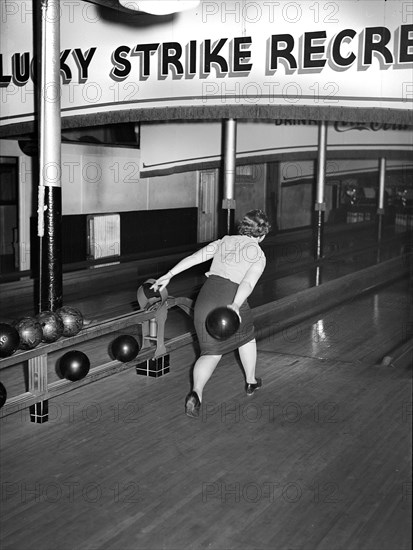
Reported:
(357, 53)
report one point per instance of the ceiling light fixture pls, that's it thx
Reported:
(159, 7)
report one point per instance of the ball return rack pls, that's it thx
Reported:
(152, 359)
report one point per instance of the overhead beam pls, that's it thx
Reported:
(219, 112)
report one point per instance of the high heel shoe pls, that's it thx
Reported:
(250, 388)
(192, 405)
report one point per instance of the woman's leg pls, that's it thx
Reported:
(248, 356)
(203, 369)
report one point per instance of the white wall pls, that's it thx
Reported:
(97, 179)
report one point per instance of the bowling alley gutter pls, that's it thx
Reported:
(269, 318)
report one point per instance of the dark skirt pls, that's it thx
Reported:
(217, 292)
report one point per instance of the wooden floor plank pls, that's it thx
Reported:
(318, 459)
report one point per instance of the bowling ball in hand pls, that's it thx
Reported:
(222, 323)
(125, 348)
(52, 326)
(9, 340)
(72, 320)
(74, 365)
(149, 292)
(30, 332)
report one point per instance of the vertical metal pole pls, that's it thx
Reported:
(230, 149)
(380, 205)
(49, 196)
(320, 205)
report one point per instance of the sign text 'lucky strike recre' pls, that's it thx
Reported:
(230, 57)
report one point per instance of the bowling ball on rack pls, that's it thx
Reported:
(9, 340)
(3, 395)
(72, 320)
(125, 348)
(222, 323)
(74, 365)
(30, 332)
(52, 326)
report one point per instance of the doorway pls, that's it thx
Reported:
(207, 206)
(9, 216)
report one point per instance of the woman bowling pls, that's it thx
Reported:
(237, 264)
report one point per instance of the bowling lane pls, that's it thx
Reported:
(379, 321)
(288, 270)
(111, 291)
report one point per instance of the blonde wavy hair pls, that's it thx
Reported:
(254, 224)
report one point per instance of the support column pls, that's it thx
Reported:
(49, 191)
(230, 151)
(380, 205)
(320, 205)
(39, 412)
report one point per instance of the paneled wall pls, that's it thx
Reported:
(250, 188)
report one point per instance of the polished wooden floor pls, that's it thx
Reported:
(318, 459)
